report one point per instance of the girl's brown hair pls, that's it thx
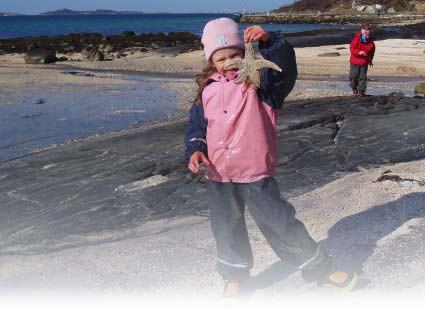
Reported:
(203, 79)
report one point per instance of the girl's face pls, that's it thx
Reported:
(221, 56)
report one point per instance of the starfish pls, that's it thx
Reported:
(250, 66)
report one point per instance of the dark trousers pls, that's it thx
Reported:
(358, 77)
(276, 220)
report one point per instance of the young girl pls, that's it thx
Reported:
(232, 132)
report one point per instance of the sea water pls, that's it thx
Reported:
(52, 25)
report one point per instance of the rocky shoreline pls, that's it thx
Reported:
(325, 18)
(97, 47)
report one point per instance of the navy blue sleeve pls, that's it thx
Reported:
(195, 139)
(275, 86)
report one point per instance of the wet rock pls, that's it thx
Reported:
(92, 53)
(69, 48)
(158, 45)
(329, 54)
(396, 95)
(40, 55)
(32, 116)
(387, 176)
(80, 73)
(128, 33)
(109, 48)
(420, 89)
(91, 37)
(319, 40)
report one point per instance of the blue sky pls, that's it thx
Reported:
(178, 6)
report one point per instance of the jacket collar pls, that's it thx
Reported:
(218, 77)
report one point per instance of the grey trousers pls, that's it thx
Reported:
(275, 218)
(358, 77)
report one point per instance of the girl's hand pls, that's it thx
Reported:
(195, 160)
(256, 33)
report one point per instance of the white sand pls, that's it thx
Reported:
(394, 57)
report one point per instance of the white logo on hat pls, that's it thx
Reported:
(220, 40)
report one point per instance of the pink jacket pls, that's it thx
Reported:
(238, 129)
(241, 132)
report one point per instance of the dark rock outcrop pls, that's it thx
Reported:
(109, 48)
(159, 44)
(329, 54)
(75, 42)
(420, 89)
(337, 36)
(128, 33)
(40, 55)
(60, 197)
(93, 53)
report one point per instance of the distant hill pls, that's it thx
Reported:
(71, 12)
(321, 5)
(8, 14)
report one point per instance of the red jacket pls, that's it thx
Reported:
(356, 46)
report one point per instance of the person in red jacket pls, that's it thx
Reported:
(362, 50)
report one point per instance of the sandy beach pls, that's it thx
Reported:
(408, 54)
(375, 226)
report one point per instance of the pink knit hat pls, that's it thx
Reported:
(221, 33)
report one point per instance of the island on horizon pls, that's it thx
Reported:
(10, 14)
(96, 12)
(89, 12)
(83, 12)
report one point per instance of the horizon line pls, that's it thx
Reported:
(223, 11)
